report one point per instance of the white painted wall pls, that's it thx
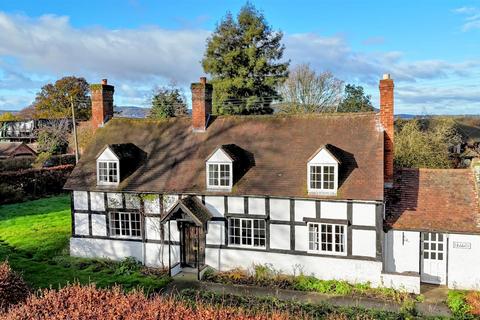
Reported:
(256, 206)
(216, 232)
(364, 243)
(169, 200)
(154, 255)
(174, 233)
(97, 201)
(363, 214)
(323, 157)
(99, 225)
(81, 223)
(402, 282)
(107, 155)
(102, 248)
(236, 205)
(280, 236)
(301, 238)
(152, 204)
(132, 201)
(304, 209)
(280, 209)
(114, 200)
(216, 205)
(152, 228)
(333, 210)
(322, 267)
(402, 251)
(80, 200)
(219, 156)
(464, 264)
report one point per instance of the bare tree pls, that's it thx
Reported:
(305, 91)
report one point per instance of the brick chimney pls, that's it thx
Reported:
(386, 118)
(102, 103)
(201, 104)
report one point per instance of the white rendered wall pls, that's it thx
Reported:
(364, 243)
(363, 214)
(463, 263)
(97, 201)
(321, 267)
(99, 225)
(402, 251)
(132, 201)
(280, 236)
(81, 223)
(236, 205)
(256, 206)
(280, 209)
(107, 155)
(333, 210)
(402, 282)
(215, 205)
(301, 238)
(152, 204)
(114, 200)
(102, 248)
(216, 232)
(80, 200)
(304, 209)
(152, 228)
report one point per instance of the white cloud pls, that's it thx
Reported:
(472, 18)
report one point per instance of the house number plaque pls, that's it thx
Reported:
(462, 245)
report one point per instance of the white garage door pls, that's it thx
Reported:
(434, 258)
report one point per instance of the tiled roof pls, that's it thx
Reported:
(434, 199)
(277, 149)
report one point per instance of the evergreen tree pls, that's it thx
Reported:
(243, 58)
(355, 100)
(167, 103)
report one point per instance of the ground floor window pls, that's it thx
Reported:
(328, 238)
(247, 232)
(125, 224)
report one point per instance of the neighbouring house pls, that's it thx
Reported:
(310, 193)
(26, 130)
(10, 150)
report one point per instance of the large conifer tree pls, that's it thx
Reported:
(243, 57)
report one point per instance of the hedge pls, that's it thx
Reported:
(22, 185)
(22, 163)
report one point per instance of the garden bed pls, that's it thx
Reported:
(267, 276)
(464, 304)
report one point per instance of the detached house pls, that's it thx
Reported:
(310, 193)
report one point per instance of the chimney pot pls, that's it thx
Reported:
(203, 80)
(386, 76)
(104, 81)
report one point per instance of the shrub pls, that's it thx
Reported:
(77, 302)
(473, 300)
(12, 287)
(10, 193)
(127, 266)
(457, 303)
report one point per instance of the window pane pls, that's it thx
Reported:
(425, 255)
(224, 175)
(315, 177)
(213, 175)
(234, 231)
(432, 255)
(328, 177)
(247, 232)
(440, 256)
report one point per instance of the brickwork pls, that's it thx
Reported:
(387, 118)
(201, 104)
(102, 103)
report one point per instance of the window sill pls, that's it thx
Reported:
(322, 192)
(219, 189)
(328, 253)
(125, 237)
(239, 246)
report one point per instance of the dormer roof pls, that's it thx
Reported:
(329, 154)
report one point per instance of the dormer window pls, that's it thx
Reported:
(219, 169)
(107, 172)
(322, 172)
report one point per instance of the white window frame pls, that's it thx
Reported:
(218, 164)
(129, 227)
(252, 234)
(108, 162)
(333, 251)
(322, 190)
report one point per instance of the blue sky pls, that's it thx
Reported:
(431, 48)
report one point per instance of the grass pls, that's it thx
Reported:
(34, 239)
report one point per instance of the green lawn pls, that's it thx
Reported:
(34, 239)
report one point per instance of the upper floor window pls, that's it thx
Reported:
(219, 167)
(322, 172)
(247, 232)
(326, 238)
(107, 172)
(219, 175)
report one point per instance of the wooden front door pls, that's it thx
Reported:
(193, 246)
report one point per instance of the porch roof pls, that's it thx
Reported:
(193, 207)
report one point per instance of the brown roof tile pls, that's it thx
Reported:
(434, 199)
(278, 148)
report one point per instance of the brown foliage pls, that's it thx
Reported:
(77, 302)
(473, 300)
(12, 287)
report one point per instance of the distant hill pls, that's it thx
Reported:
(131, 112)
(5, 111)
